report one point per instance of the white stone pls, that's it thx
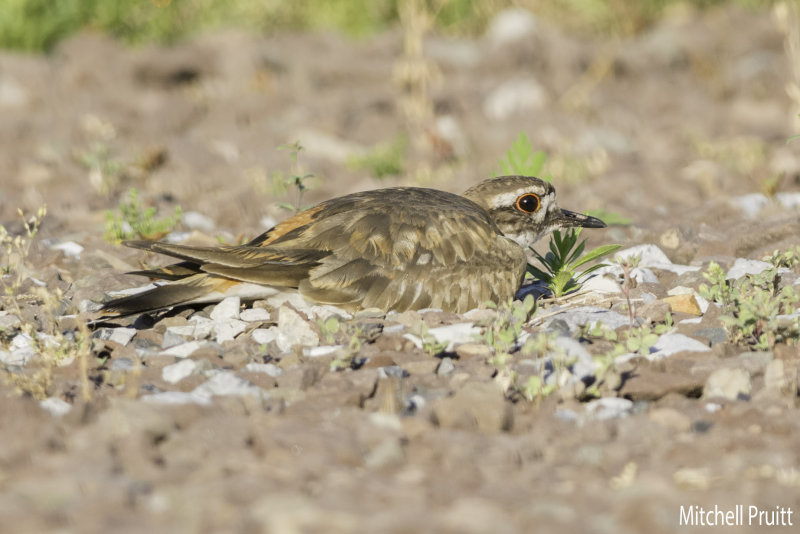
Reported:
(227, 309)
(789, 200)
(648, 255)
(227, 383)
(202, 327)
(608, 408)
(324, 311)
(55, 406)
(293, 330)
(455, 334)
(728, 383)
(264, 335)
(669, 344)
(577, 318)
(176, 397)
(178, 371)
(197, 221)
(71, 249)
(750, 205)
(252, 315)
(514, 97)
(680, 290)
(122, 335)
(742, 267)
(324, 350)
(511, 24)
(185, 350)
(600, 284)
(228, 330)
(268, 368)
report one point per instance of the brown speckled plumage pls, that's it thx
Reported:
(399, 248)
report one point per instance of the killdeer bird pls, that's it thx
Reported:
(400, 248)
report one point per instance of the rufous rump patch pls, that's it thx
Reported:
(295, 221)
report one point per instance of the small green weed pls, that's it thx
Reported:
(565, 256)
(522, 159)
(134, 221)
(752, 307)
(503, 334)
(786, 258)
(296, 179)
(384, 159)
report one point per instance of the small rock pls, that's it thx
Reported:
(514, 97)
(454, 334)
(178, 371)
(671, 418)
(171, 339)
(742, 267)
(777, 379)
(228, 330)
(186, 349)
(176, 397)
(477, 405)
(669, 344)
(467, 351)
(122, 336)
(55, 406)
(227, 309)
(9, 322)
(227, 383)
(252, 315)
(683, 304)
(446, 367)
(320, 351)
(654, 312)
(293, 330)
(576, 318)
(608, 408)
(750, 205)
(713, 335)
(71, 249)
(511, 24)
(264, 335)
(422, 367)
(122, 364)
(727, 383)
(269, 368)
(197, 221)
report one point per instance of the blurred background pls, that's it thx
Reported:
(665, 115)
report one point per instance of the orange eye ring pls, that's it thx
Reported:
(528, 203)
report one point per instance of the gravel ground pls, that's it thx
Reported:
(279, 416)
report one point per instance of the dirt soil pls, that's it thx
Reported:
(667, 128)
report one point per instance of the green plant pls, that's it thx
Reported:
(503, 333)
(756, 313)
(562, 261)
(383, 159)
(296, 179)
(786, 258)
(328, 328)
(134, 221)
(522, 159)
(15, 251)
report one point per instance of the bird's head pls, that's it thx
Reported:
(524, 208)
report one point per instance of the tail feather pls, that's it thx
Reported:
(166, 296)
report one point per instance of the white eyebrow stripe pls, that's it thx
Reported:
(508, 199)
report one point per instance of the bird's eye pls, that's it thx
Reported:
(528, 203)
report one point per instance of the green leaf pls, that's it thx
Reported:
(596, 253)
